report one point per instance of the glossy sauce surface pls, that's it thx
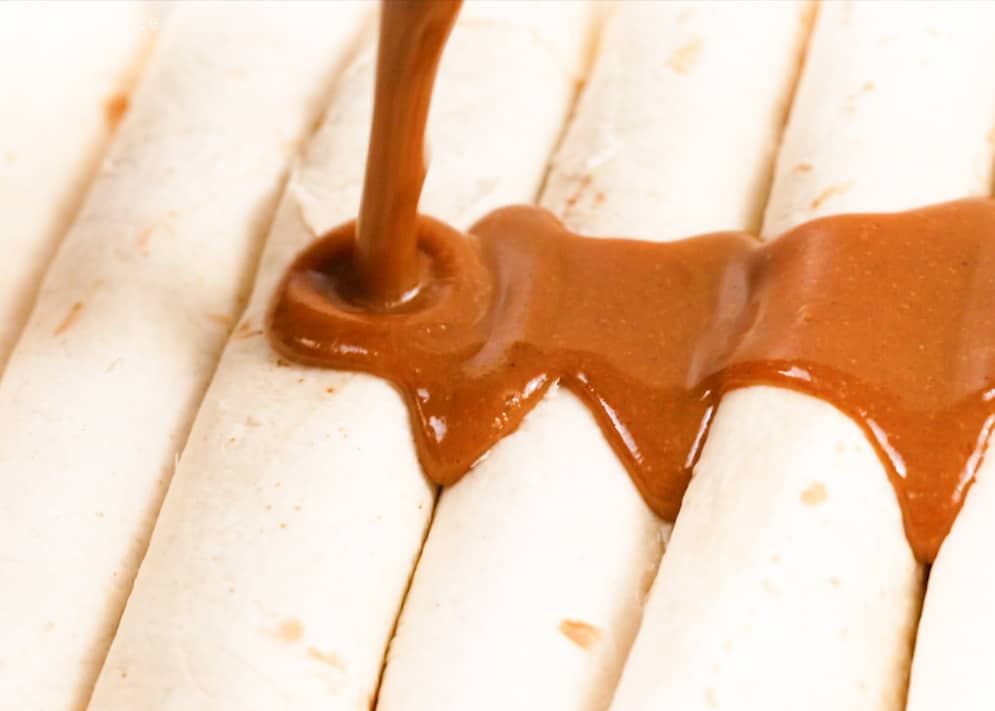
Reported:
(889, 317)
(413, 34)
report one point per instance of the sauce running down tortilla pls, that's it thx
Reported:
(889, 317)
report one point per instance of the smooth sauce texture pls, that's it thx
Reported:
(413, 34)
(890, 318)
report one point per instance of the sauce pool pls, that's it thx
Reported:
(888, 317)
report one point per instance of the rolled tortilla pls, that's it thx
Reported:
(788, 582)
(531, 583)
(134, 310)
(288, 537)
(953, 655)
(57, 60)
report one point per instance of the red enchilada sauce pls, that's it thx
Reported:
(889, 317)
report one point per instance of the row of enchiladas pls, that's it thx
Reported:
(189, 522)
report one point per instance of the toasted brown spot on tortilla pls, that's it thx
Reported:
(686, 56)
(815, 494)
(290, 630)
(803, 168)
(329, 658)
(580, 633)
(582, 185)
(329, 390)
(115, 108)
(281, 363)
(851, 100)
(70, 319)
(143, 239)
(829, 192)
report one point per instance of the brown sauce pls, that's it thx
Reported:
(413, 34)
(888, 317)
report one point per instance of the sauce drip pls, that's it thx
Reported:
(413, 34)
(888, 317)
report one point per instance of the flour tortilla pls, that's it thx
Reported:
(788, 582)
(530, 586)
(56, 60)
(134, 310)
(953, 657)
(280, 560)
